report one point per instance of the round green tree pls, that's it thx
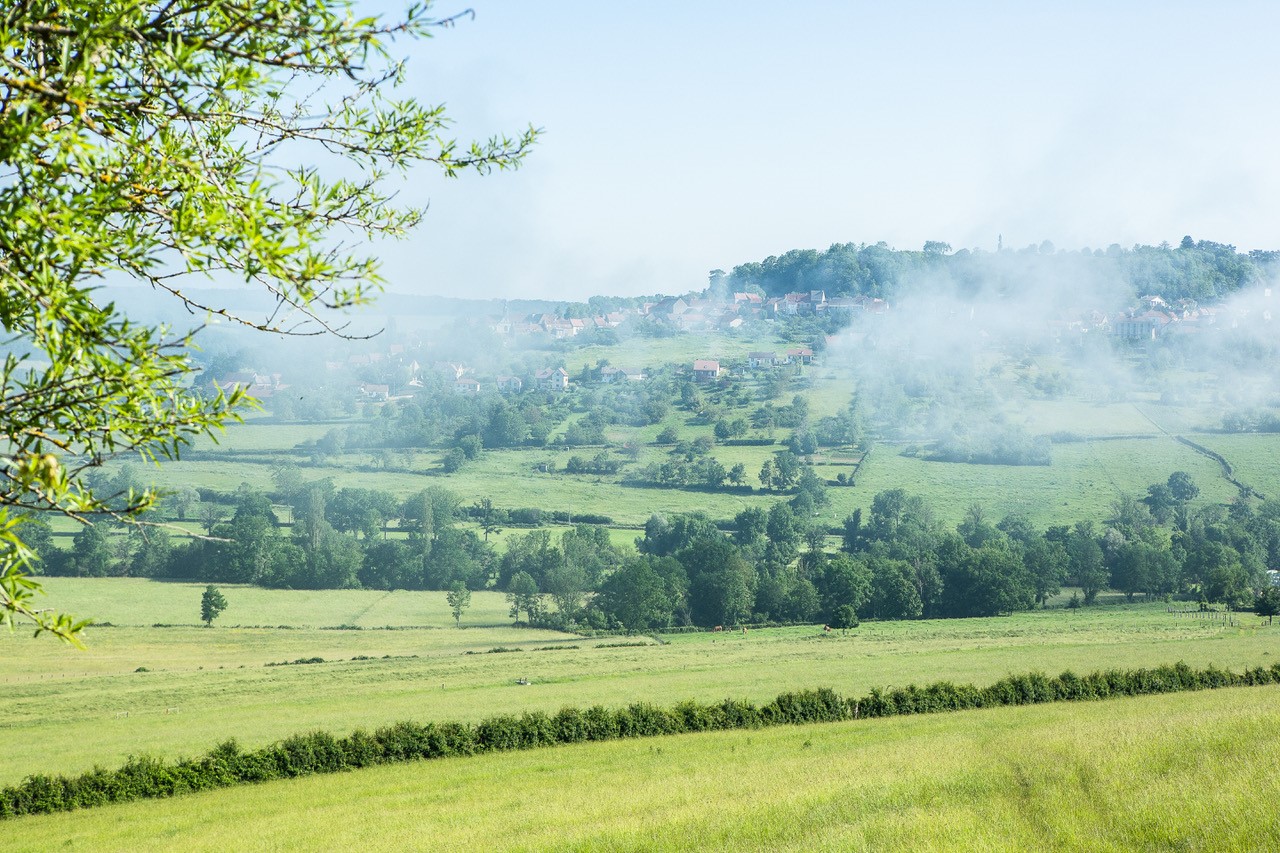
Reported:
(212, 603)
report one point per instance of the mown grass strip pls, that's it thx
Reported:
(321, 752)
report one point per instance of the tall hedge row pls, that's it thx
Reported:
(321, 752)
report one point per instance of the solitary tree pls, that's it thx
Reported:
(1184, 489)
(845, 617)
(1268, 603)
(488, 520)
(212, 603)
(152, 142)
(459, 599)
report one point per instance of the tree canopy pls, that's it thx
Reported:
(1199, 269)
(169, 143)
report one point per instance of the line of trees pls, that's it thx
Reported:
(898, 562)
(339, 539)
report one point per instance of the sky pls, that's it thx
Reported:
(683, 137)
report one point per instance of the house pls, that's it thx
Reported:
(690, 320)
(376, 393)
(611, 374)
(705, 370)
(552, 379)
(260, 386)
(809, 302)
(510, 384)
(467, 386)
(244, 378)
(795, 303)
(800, 355)
(527, 329)
(451, 370)
(1148, 325)
(672, 306)
(761, 359)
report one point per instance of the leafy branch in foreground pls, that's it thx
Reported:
(163, 143)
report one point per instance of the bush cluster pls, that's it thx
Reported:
(527, 516)
(321, 752)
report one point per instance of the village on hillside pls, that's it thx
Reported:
(1150, 318)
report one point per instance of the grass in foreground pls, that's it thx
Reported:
(1185, 771)
(73, 710)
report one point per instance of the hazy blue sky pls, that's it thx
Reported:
(686, 136)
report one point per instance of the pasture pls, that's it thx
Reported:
(1084, 480)
(198, 686)
(1186, 771)
(1108, 447)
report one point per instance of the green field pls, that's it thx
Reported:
(76, 709)
(1083, 482)
(1117, 448)
(1180, 772)
(1184, 772)
(678, 349)
(1255, 458)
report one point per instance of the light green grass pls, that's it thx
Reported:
(509, 478)
(1082, 418)
(257, 434)
(1255, 458)
(1187, 771)
(139, 603)
(680, 349)
(621, 537)
(69, 707)
(1083, 482)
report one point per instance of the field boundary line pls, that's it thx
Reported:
(1228, 473)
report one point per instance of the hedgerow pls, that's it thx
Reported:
(321, 752)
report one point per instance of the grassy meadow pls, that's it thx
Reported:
(1086, 477)
(178, 690)
(1186, 771)
(1113, 448)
